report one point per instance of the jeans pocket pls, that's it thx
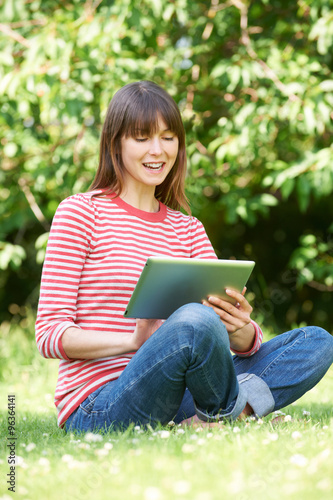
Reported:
(88, 404)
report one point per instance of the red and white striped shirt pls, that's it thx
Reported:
(96, 251)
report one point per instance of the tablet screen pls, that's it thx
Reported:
(166, 284)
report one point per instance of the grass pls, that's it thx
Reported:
(245, 460)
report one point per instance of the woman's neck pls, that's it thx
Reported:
(145, 201)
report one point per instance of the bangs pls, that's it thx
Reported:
(144, 112)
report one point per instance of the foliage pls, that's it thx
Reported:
(254, 82)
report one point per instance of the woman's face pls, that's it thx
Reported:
(149, 159)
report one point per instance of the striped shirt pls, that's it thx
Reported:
(96, 251)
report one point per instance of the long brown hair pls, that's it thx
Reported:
(137, 107)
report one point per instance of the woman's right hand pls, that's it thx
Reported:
(145, 329)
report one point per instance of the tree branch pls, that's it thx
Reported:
(320, 286)
(245, 40)
(16, 36)
(33, 204)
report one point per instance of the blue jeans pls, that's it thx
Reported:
(186, 368)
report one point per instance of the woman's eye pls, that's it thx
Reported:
(140, 139)
(169, 138)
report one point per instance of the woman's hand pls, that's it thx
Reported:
(237, 319)
(144, 329)
(234, 316)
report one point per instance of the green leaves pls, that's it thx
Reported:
(256, 102)
(11, 255)
(314, 262)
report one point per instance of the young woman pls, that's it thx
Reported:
(115, 371)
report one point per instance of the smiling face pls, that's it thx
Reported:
(148, 158)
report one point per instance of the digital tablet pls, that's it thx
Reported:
(167, 283)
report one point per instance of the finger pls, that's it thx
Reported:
(233, 322)
(239, 297)
(231, 308)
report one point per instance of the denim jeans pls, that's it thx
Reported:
(186, 368)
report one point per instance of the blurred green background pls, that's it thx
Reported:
(254, 82)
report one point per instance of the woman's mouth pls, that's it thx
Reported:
(154, 166)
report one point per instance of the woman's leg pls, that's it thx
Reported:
(191, 349)
(290, 364)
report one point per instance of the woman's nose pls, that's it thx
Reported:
(155, 146)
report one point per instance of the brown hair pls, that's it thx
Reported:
(137, 107)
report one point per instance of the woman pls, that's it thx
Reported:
(115, 371)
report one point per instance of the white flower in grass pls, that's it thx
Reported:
(296, 435)
(75, 464)
(324, 484)
(101, 452)
(93, 438)
(30, 447)
(67, 458)
(181, 487)
(180, 431)
(84, 446)
(19, 462)
(171, 423)
(236, 430)
(203, 495)
(44, 462)
(188, 448)
(114, 469)
(164, 434)
(288, 418)
(108, 446)
(299, 460)
(152, 493)
(21, 491)
(306, 413)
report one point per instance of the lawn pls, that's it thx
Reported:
(245, 460)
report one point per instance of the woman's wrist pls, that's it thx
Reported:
(242, 340)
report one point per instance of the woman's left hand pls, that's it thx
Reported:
(234, 316)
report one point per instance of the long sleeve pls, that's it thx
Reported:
(68, 246)
(256, 344)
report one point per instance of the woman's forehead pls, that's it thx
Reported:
(155, 124)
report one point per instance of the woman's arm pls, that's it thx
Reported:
(90, 344)
(67, 249)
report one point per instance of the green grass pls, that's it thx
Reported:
(244, 460)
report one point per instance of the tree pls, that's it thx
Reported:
(253, 80)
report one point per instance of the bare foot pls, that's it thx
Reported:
(196, 422)
(246, 412)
